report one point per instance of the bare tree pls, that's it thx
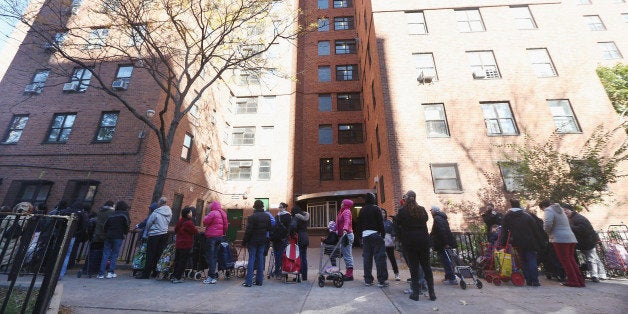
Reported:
(186, 47)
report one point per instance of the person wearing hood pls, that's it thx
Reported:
(157, 236)
(587, 240)
(301, 218)
(372, 225)
(525, 235)
(556, 225)
(142, 225)
(443, 238)
(216, 225)
(99, 231)
(257, 226)
(344, 228)
(280, 236)
(116, 227)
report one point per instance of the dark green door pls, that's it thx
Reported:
(234, 216)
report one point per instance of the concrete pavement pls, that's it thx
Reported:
(125, 294)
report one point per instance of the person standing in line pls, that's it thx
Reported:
(587, 240)
(216, 225)
(372, 225)
(258, 224)
(415, 240)
(116, 227)
(389, 243)
(556, 225)
(157, 236)
(300, 219)
(344, 228)
(491, 218)
(443, 239)
(185, 231)
(280, 236)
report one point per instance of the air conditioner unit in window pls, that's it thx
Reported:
(479, 75)
(33, 89)
(424, 79)
(71, 87)
(120, 84)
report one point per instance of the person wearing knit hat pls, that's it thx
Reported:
(442, 238)
(258, 224)
(344, 228)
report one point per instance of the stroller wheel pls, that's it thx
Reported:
(321, 281)
(463, 285)
(497, 281)
(241, 272)
(517, 279)
(478, 284)
(338, 282)
(198, 275)
(228, 273)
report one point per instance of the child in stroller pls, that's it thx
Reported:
(330, 246)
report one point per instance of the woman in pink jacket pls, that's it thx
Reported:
(215, 229)
(343, 227)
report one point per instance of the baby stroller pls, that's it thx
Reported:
(461, 270)
(331, 272)
(291, 261)
(166, 261)
(226, 260)
(197, 263)
(503, 266)
(139, 259)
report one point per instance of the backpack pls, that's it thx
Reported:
(280, 231)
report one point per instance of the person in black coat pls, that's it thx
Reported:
(116, 227)
(442, 239)
(372, 226)
(525, 235)
(587, 239)
(491, 218)
(415, 241)
(255, 240)
(298, 225)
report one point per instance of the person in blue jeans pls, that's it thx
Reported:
(116, 228)
(216, 225)
(255, 238)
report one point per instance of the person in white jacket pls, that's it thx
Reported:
(157, 231)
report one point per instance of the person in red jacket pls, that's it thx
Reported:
(185, 231)
(216, 225)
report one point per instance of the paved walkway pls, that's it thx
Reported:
(128, 295)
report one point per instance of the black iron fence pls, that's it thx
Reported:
(32, 252)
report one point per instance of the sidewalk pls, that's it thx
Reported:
(128, 295)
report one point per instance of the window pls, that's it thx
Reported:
(609, 50)
(352, 169)
(323, 48)
(17, 125)
(186, 150)
(97, 38)
(81, 78)
(625, 16)
(469, 21)
(445, 178)
(323, 4)
(594, 23)
(498, 119)
(324, 73)
(324, 102)
(326, 166)
(240, 169)
(124, 73)
(61, 127)
(541, 62)
(346, 72)
(57, 41)
(564, 118)
(350, 133)
(82, 191)
(345, 47)
(243, 136)
(342, 3)
(323, 24)
(379, 145)
(523, 17)
(137, 35)
(512, 180)
(246, 105)
(248, 77)
(435, 120)
(107, 126)
(264, 169)
(416, 23)
(483, 64)
(321, 213)
(325, 134)
(34, 192)
(426, 69)
(37, 84)
(343, 22)
(348, 102)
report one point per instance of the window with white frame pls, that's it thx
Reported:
(445, 178)
(16, 127)
(323, 48)
(246, 105)
(240, 169)
(426, 69)
(248, 77)
(564, 118)
(469, 21)
(324, 73)
(523, 17)
(343, 23)
(416, 23)
(82, 76)
(124, 73)
(324, 102)
(97, 38)
(346, 46)
(243, 136)
(323, 24)
(342, 3)
(107, 126)
(61, 127)
(264, 169)
(38, 82)
(594, 23)
(186, 150)
(541, 62)
(499, 119)
(512, 179)
(483, 65)
(321, 213)
(347, 72)
(325, 134)
(435, 120)
(609, 50)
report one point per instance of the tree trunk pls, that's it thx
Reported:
(164, 164)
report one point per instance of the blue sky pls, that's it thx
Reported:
(6, 26)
